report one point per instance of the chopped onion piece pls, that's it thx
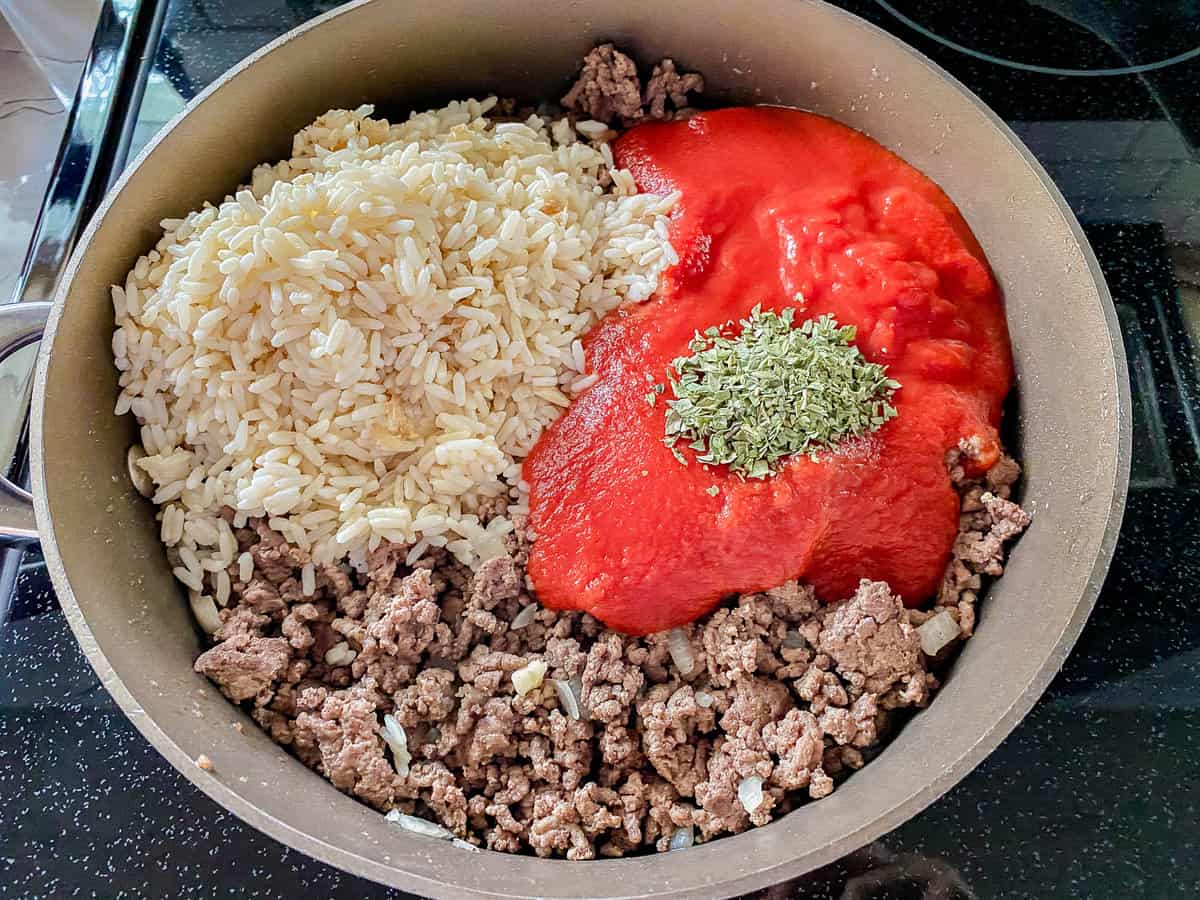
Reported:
(937, 632)
(340, 654)
(524, 617)
(417, 825)
(682, 838)
(680, 649)
(576, 683)
(141, 479)
(204, 608)
(393, 733)
(704, 699)
(566, 696)
(750, 793)
(529, 677)
(590, 128)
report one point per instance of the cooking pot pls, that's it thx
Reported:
(1070, 420)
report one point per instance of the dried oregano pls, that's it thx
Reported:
(771, 391)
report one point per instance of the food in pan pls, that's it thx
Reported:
(576, 482)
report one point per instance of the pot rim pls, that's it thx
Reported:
(757, 873)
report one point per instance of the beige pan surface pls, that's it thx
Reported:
(1072, 425)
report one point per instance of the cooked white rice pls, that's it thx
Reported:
(365, 343)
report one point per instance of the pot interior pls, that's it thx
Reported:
(1070, 425)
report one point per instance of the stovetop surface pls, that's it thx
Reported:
(1093, 795)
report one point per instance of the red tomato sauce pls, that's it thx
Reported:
(779, 208)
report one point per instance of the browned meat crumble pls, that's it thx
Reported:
(780, 687)
(610, 90)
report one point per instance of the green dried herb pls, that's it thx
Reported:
(774, 390)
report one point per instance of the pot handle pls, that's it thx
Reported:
(20, 325)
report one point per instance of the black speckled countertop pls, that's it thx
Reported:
(1095, 795)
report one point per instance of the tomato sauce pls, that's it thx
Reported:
(779, 208)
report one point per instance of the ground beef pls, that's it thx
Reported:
(871, 635)
(439, 787)
(1002, 476)
(609, 89)
(720, 809)
(672, 726)
(610, 683)
(297, 625)
(620, 751)
(782, 688)
(666, 84)
(749, 638)
(571, 740)
(240, 621)
(262, 596)
(275, 560)
(429, 700)
(245, 667)
(497, 580)
(399, 628)
(798, 743)
(983, 551)
(988, 522)
(556, 826)
(494, 590)
(856, 725)
(342, 725)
